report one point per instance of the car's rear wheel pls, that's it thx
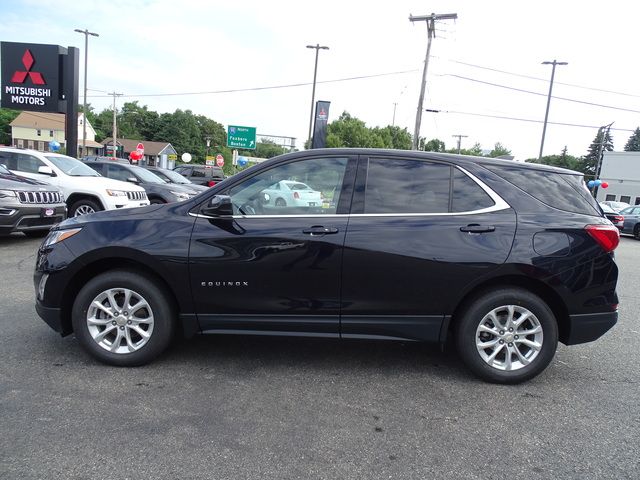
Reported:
(123, 318)
(83, 207)
(507, 335)
(280, 202)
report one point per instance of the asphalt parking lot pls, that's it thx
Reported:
(257, 408)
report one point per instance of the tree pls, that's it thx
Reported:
(6, 117)
(564, 160)
(602, 143)
(433, 145)
(499, 150)
(633, 144)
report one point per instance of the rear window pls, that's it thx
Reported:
(558, 190)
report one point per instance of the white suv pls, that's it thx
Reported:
(85, 191)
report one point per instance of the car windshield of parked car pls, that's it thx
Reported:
(147, 176)
(606, 208)
(71, 166)
(171, 176)
(4, 171)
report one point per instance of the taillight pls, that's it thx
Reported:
(212, 183)
(607, 236)
(618, 218)
(296, 195)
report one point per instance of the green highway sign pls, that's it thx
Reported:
(241, 137)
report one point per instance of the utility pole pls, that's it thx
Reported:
(546, 115)
(393, 122)
(115, 127)
(459, 137)
(431, 31)
(603, 140)
(318, 47)
(84, 108)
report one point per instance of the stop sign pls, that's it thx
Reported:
(220, 160)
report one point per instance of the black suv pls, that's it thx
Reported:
(158, 191)
(206, 175)
(505, 258)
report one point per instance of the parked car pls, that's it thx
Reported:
(84, 190)
(614, 217)
(294, 194)
(206, 175)
(507, 258)
(101, 158)
(617, 206)
(171, 176)
(28, 206)
(158, 191)
(631, 224)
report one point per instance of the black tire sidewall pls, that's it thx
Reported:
(153, 293)
(471, 316)
(79, 203)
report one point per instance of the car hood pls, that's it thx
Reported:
(23, 183)
(108, 215)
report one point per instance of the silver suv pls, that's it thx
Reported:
(28, 206)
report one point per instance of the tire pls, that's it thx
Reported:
(515, 358)
(636, 231)
(136, 335)
(84, 207)
(280, 202)
(156, 201)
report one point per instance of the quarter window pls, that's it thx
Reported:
(468, 195)
(309, 186)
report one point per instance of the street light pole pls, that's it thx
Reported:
(313, 92)
(84, 108)
(546, 115)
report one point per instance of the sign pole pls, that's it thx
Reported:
(70, 92)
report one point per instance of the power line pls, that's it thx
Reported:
(271, 87)
(539, 94)
(530, 77)
(527, 120)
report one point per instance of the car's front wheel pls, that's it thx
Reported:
(83, 207)
(507, 335)
(123, 318)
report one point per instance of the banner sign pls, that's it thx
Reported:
(320, 125)
(30, 76)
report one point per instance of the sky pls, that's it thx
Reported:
(189, 54)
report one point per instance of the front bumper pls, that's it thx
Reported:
(22, 218)
(589, 327)
(52, 316)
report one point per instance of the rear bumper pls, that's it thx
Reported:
(589, 327)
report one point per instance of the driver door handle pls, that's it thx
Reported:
(320, 230)
(475, 228)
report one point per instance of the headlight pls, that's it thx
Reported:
(59, 235)
(181, 195)
(7, 193)
(117, 193)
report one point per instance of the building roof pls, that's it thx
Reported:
(44, 121)
(150, 148)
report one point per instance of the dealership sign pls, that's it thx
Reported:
(31, 76)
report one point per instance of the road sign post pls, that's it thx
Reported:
(241, 137)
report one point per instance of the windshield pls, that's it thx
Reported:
(146, 176)
(4, 171)
(71, 166)
(171, 176)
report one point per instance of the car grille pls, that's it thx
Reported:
(137, 195)
(40, 197)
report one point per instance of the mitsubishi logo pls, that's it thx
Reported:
(28, 61)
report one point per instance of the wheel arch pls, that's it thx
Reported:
(103, 265)
(537, 287)
(74, 197)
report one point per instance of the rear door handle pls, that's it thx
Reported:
(320, 230)
(475, 228)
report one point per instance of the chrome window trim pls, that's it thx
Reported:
(499, 204)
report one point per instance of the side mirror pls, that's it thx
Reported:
(218, 206)
(133, 180)
(265, 197)
(46, 171)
